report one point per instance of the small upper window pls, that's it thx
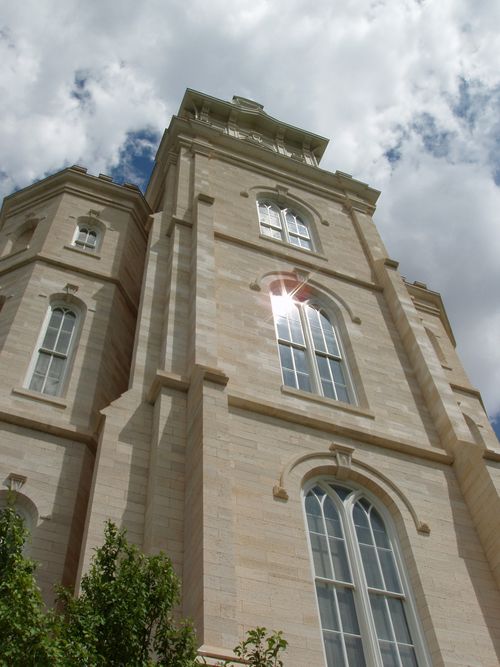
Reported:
(86, 238)
(310, 350)
(284, 224)
(53, 354)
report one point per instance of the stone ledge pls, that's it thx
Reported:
(43, 398)
(330, 402)
(356, 432)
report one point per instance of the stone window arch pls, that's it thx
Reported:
(365, 605)
(310, 348)
(49, 369)
(285, 223)
(88, 234)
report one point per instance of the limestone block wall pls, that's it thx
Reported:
(58, 472)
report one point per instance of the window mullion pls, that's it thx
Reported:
(367, 624)
(334, 581)
(393, 632)
(284, 226)
(310, 352)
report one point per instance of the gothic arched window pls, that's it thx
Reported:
(53, 353)
(363, 598)
(284, 224)
(309, 347)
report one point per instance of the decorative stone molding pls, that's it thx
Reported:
(15, 482)
(70, 289)
(343, 455)
(347, 467)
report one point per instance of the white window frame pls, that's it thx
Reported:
(68, 356)
(359, 584)
(85, 246)
(283, 232)
(311, 353)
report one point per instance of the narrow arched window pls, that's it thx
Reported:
(284, 224)
(363, 600)
(309, 347)
(86, 238)
(53, 353)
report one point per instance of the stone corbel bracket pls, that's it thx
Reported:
(342, 457)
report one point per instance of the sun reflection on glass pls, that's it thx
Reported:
(283, 304)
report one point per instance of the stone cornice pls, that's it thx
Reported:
(296, 258)
(38, 423)
(75, 181)
(336, 186)
(270, 409)
(68, 267)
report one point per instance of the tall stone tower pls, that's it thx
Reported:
(233, 369)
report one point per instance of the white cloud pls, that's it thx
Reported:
(81, 82)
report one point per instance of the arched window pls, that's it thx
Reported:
(363, 599)
(53, 353)
(284, 224)
(309, 347)
(86, 238)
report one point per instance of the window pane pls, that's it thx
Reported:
(304, 383)
(341, 491)
(331, 341)
(347, 611)
(286, 356)
(399, 620)
(296, 327)
(327, 608)
(362, 527)
(282, 327)
(371, 567)
(294, 240)
(407, 655)
(289, 378)
(389, 654)
(291, 222)
(379, 531)
(63, 341)
(302, 229)
(339, 557)
(328, 389)
(389, 570)
(56, 368)
(342, 394)
(68, 322)
(337, 372)
(321, 559)
(42, 364)
(323, 367)
(380, 616)
(332, 519)
(299, 357)
(333, 650)
(313, 512)
(36, 383)
(355, 652)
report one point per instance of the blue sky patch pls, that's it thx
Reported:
(137, 158)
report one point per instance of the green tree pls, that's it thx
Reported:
(123, 615)
(262, 650)
(122, 618)
(24, 639)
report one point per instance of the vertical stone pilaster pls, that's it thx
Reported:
(209, 564)
(203, 315)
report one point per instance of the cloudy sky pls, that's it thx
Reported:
(407, 90)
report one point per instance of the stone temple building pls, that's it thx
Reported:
(231, 367)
